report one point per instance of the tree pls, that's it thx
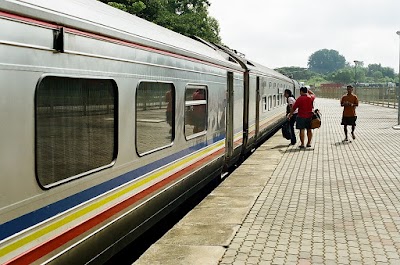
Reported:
(388, 72)
(326, 61)
(377, 75)
(343, 76)
(316, 80)
(385, 71)
(298, 73)
(188, 17)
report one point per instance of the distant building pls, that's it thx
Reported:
(331, 86)
(332, 90)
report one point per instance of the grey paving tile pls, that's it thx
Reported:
(336, 203)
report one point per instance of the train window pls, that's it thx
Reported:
(269, 102)
(195, 110)
(274, 85)
(155, 112)
(270, 84)
(274, 100)
(76, 128)
(265, 103)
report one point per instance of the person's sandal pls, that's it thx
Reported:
(301, 146)
(309, 145)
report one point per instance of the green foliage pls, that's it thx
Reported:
(377, 75)
(344, 76)
(326, 61)
(298, 73)
(119, 6)
(316, 80)
(188, 17)
(386, 71)
(333, 68)
(191, 18)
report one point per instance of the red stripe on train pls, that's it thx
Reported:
(47, 247)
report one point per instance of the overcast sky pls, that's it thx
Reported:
(279, 33)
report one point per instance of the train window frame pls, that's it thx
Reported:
(172, 131)
(191, 104)
(115, 101)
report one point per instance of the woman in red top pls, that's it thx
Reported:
(304, 104)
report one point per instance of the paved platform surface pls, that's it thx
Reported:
(334, 203)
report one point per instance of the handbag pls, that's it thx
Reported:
(316, 119)
(286, 133)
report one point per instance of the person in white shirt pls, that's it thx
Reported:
(291, 100)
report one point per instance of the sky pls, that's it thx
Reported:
(278, 33)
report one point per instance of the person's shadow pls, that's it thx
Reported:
(342, 143)
(297, 149)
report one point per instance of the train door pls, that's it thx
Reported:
(229, 119)
(246, 110)
(258, 98)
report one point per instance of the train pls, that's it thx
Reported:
(109, 122)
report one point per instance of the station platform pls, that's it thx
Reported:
(334, 203)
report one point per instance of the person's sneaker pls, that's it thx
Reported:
(352, 135)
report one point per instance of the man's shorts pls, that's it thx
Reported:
(303, 123)
(349, 120)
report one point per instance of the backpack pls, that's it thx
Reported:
(316, 119)
(286, 133)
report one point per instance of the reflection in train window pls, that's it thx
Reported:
(265, 103)
(195, 110)
(76, 127)
(155, 112)
(269, 102)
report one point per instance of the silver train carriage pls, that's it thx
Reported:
(108, 122)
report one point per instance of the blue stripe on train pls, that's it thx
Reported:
(39, 215)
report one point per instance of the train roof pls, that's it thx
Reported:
(268, 71)
(97, 17)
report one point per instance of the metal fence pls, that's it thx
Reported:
(382, 96)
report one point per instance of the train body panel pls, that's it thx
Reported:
(107, 128)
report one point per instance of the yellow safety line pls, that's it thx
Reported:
(4, 251)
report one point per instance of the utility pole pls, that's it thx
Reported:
(355, 71)
(355, 74)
